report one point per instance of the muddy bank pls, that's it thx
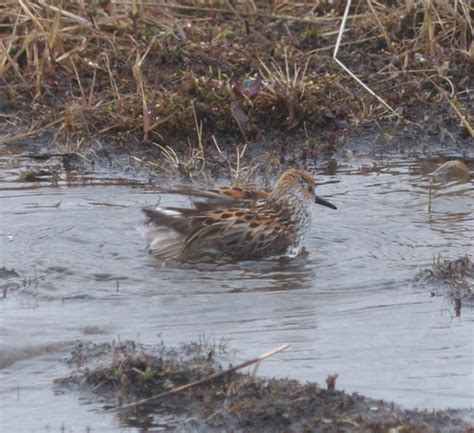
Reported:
(244, 164)
(120, 372)
(186, 86)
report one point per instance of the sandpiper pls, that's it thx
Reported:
(241, 223)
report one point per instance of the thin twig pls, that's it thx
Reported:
(464, 119)
(379, 23)
(461, 116)
(67, 14)
(239, 17)
(201, 381)
(22, 135)
(343, 66)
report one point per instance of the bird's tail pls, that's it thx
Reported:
(168, 232)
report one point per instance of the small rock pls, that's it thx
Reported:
(452, 170)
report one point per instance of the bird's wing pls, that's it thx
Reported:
(240, 231)
(223, 222)
(172, 218)
(236, 193)
(229, 196)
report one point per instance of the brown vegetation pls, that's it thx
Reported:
(157, 72)
(452, 278)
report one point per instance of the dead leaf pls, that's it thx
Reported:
(240, 117)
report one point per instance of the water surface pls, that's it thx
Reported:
(347, 305)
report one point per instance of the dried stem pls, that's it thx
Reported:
(343, 66)
(201, 381)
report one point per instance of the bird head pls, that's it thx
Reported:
(298, 183)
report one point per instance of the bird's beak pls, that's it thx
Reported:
(320, 200)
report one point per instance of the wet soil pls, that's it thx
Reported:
(120, 372)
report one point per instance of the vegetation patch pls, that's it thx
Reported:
(226, 400)
(452, 278)
(181, 77)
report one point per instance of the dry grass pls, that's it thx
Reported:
(156, 72)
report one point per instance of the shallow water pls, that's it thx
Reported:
(347, 305)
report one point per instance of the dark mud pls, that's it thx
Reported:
(265, 158)
(120, 372)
